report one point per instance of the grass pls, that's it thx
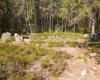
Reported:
(15, 59)
(54, 62)
(56, 39)
(18, 58)
(94, 47)
(85, 58)
(46, 34)
(68, 56)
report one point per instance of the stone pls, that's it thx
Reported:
(6, 35)
(27, 41)
(18, 38)
(83, 73)
(46, 77)
(94, 68)
(92, 55)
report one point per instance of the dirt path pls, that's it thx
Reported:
(79, 70)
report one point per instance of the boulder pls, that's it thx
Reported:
(18, 38)
(6, 36)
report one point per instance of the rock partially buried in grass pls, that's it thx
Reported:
(6, 36)
(92, 55)
(18, 38)
(83, 73)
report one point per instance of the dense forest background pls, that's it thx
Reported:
(25, 16)
(64, 43)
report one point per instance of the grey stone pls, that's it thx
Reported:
(18, 38)
(92, 55)
(6, 35)
(83, 73)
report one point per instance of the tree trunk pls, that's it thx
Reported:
(62, 25)
(38, 15)
(93, 21)
(93, 26)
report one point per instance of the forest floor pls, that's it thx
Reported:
(53, 57)
(80, 67)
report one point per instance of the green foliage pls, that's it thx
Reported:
(68, 56)
(47, 16)
(55, 44)
(45, 62)
(14, 60)
(85, 58)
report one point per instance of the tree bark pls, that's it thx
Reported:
(93, 21)
(93, 26)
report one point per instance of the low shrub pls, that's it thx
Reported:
(14, 60)
(45, 62)
(68, 56)
(54, 62)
